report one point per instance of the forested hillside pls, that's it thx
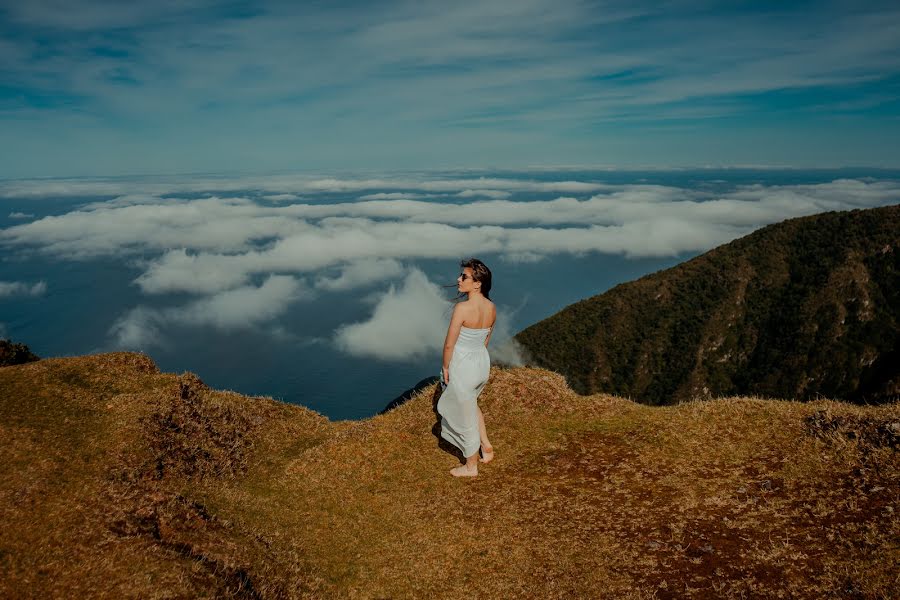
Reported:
(802, 308)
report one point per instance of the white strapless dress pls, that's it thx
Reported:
(469, 368)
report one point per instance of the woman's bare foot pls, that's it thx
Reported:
(464, 471)
(487, 454)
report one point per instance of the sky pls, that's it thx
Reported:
(109, 88)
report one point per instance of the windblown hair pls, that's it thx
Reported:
(480, 273)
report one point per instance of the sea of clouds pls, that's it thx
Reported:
(240, 252)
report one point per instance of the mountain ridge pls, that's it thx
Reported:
(806, 307)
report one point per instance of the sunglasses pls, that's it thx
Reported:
(465, 276)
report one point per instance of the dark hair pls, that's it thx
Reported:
(480, 273)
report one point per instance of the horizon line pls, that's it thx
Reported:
(462, 169)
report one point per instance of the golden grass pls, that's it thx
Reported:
(120, 481)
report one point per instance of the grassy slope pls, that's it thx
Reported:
(117, 480)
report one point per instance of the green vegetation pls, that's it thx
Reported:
(805, 308)
(15, 354)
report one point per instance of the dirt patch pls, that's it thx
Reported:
(193, 435)
(868, 430)
(721, 530)
(131, 361)
(185, 528)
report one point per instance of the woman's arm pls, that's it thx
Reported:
(456, 322)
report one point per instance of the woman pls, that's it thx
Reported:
(466, 368)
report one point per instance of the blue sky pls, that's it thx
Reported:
(163, 86)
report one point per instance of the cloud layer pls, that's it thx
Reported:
(210, 244)
(245, 307)
(406, 322)
(245, 257)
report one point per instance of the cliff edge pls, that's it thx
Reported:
(117, 480)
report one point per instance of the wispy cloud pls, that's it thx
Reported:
(409, 320)
(361, 273)
(20, 288)
(224, 87)
(244, 307)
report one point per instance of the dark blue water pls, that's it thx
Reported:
(83, 299)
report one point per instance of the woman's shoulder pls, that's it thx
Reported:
(470, 309)
(472, 303)
(492, 311)
(476, 304)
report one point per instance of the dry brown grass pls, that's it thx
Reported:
(120, 481)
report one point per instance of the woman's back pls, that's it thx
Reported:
(479, 315)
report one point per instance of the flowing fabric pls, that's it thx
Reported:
(470, 365)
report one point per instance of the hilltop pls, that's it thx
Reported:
(805, 308)
(117, 480)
